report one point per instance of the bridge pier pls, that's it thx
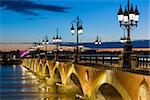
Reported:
(49, 81)
(97, 96)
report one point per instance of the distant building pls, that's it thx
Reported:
(12, 55)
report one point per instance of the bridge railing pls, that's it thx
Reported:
(114, 59)
(143, 61)
(110, 59)
(66, 57)
(130, 70)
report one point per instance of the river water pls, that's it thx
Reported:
(17, 83)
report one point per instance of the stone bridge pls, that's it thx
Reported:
(91, 81)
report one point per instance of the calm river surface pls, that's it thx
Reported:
(17, 83)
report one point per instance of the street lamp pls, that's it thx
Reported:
(39, 44)
(127, 19)
(78, 23)
(97, 42)
(34, 50)
(45, 42)
(57, 40)
(123, 40)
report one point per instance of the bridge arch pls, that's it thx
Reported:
(109, 92)
(39, 69)
(143, 91)
(76, 81)
(86, 76)
(32, 65)
(106, 78)
(74, 77)
(57, 76)
(35, 66)
(26, 63)
(47, 71)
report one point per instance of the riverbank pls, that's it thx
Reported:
(10, 62)
(139, 45)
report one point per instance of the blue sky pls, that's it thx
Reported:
(99, 18)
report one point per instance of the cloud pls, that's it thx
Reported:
(28, 7)
(44, 18)
(30, 18)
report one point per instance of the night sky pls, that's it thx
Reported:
(31, 20)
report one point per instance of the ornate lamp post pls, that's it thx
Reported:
(45, 42)
(57, 40)
(128, 19)
(78, 23)
(98, 42)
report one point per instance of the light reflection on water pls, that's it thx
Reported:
(17, 83)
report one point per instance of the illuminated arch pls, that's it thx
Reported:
(35, 66)
(47, 71)
(39, 69)
(107, 91)
(32, 65)
(105, 78)
(86, 76)
(76, 81)
(57, 76)
(143, 91)
(80, 83)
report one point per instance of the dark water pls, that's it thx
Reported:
(135, 44)
(17, 83)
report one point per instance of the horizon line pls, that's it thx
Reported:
(66, 42)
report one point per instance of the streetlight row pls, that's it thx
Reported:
(79, 29)
(56, 39)
(127, 19)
